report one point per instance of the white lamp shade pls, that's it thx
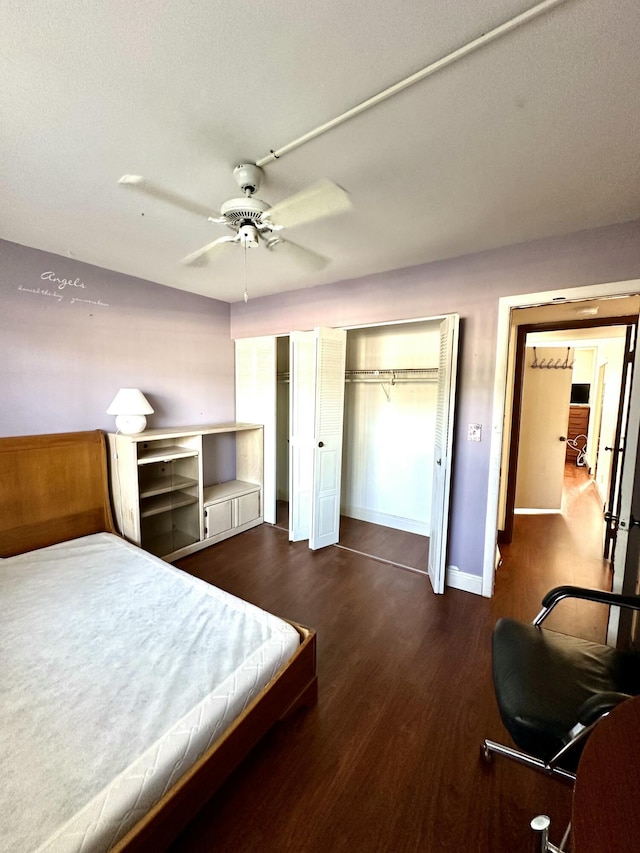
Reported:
(130, 407)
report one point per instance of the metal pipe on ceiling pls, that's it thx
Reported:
(439, 64)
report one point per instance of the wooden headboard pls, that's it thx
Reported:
(52, 488)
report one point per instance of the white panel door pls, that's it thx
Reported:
(447, 373)
(625, 558)
(302, 406)
(331, 347)
(256, 403)
(544, 419)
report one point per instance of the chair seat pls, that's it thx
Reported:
(542, 678)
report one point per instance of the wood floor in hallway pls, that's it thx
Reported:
(388, 760)
(561, 548)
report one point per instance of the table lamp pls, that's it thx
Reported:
(130, 407)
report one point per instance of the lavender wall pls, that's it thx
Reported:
(470, 286)
(66, 348)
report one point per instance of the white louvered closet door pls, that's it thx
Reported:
(302, 403)
(256, 404)
(331, 346)
(439, 527)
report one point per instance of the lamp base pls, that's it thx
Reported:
(130, 424)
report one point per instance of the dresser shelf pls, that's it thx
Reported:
(168, 495)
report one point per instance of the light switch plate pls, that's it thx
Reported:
(475, 432)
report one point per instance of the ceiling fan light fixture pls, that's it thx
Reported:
(254, 221)
(248, 235)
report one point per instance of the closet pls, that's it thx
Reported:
(395, 379)
(391, 394)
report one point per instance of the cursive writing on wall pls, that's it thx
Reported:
(56, 293)
(61, 282)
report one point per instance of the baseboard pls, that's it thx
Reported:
(395, 521)
(458, 579)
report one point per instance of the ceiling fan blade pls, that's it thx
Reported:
(201, 256)
(137, 182)
(304, 258)
(315, 202)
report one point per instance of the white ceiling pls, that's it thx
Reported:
(534, 135)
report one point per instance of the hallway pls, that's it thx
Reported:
(560, 548)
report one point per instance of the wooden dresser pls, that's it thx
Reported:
(578, 425)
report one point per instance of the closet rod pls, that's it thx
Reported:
(390, 379)
(393, 371)
(399, 374)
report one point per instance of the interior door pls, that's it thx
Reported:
(331, 348)
(256, 403)
(597, 458)
(625, 557)
(316, 373)
(546, 397)
(614, 495)
(439, 528)
(302, 402)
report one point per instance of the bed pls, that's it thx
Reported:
(130, 689)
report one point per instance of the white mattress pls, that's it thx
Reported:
(118, 671)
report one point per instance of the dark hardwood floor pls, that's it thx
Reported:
(389, 758)
(399, 547)
(550, 550)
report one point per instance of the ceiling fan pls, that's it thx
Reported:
(253, 221)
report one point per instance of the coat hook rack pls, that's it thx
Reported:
(558, 364)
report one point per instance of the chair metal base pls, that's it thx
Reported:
(490, 747)
(541, 824)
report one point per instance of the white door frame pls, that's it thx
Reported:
(505, 306)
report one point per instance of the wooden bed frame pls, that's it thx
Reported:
(54, 488)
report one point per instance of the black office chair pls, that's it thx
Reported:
(552, 689)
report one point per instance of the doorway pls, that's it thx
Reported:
(555, 549)
(594, 348)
